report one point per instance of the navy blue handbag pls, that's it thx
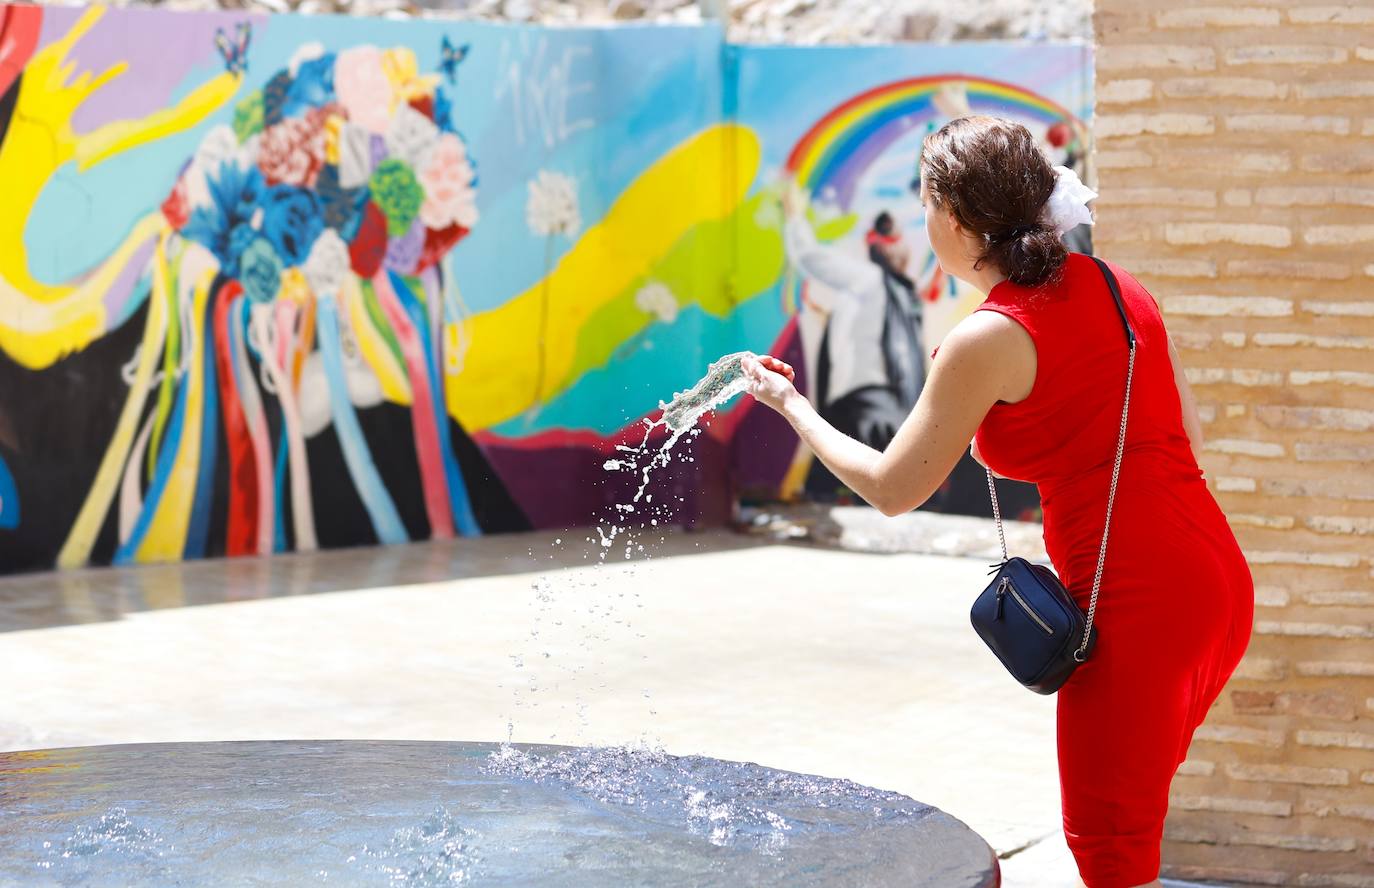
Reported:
(1025, 615)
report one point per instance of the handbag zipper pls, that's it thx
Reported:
(1025, 606)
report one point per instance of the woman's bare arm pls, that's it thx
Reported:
(985, 358)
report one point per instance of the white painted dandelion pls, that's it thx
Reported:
(657, 300)
(552, 205)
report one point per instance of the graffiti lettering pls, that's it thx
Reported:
(540, 86)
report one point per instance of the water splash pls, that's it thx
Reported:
(437, 852)
(87, 850)
(730, 804)
(724, 380)
(622, 533)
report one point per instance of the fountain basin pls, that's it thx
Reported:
(429, 813)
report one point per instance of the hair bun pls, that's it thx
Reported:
(1029, 254)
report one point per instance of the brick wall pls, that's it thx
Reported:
(1235, 158)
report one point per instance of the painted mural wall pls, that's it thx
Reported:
(272, 283)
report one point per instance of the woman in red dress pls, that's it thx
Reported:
(1035, 377)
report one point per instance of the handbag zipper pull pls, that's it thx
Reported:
(1001, 594)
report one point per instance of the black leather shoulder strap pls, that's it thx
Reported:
(1116, 294)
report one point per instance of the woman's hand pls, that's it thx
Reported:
(770, 380)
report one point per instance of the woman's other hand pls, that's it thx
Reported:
(770, 380)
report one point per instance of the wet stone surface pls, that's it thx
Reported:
(438, 813)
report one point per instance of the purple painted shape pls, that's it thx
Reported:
(846, 177)
(378, 146)
(763, 443)
(161, 49)
(403, 253)
(567, 487)
(117, 297)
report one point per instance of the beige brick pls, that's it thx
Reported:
(1336, 377)
(1223, 88)
(1367, 777)
(1230, 805)
(1339, 598)
(1315, 560)
(1234, 410)
(1338, 162)
(1339, 235)
(1287, 123)
(1364, 53)
(1336, 89)
(1228, 874)
(1233, 339)
(1314, 196)
(1217, 16)
(1231, 162)
(1229, 306)
(1243, 447)
(1349, 526)
(1281, 268)
(1347, 488)
(1343, 739)
(1286, 54)
(1324, 706)
(1367, 128)
(1272, 522)
(1369, 270)
(1125, 92)
(1311, 630)
(1285, 340)
(1190, 834)
(1329, 707)
(1194, 340)
(1105, 126)
(1332, 15)
(1163, 197)
(1122, 160)
(1268, 596)
(1235, 485)
(1336, 808)
(1307, 451)
(1232, 376)
(1333, 880)
(1207, 412)
(1183, 268)
(1151, 55)
(1237, 197)
(1363, 309)
(1342, 418)
(1295, 843)
(1201, 233)
(1288, 774)
(1337, 668)
(1261, 669)
(1235, 734)
(1196, 768)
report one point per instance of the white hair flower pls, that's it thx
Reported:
(1067, 207)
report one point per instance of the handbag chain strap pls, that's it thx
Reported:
(1080, 654)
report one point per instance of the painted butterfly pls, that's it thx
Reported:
(235, 52)
(451, 57)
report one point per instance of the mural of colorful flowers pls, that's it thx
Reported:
(255, 296)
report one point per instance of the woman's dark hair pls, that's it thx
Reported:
(991, 174)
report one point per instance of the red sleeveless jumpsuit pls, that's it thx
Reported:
(1176, 604)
